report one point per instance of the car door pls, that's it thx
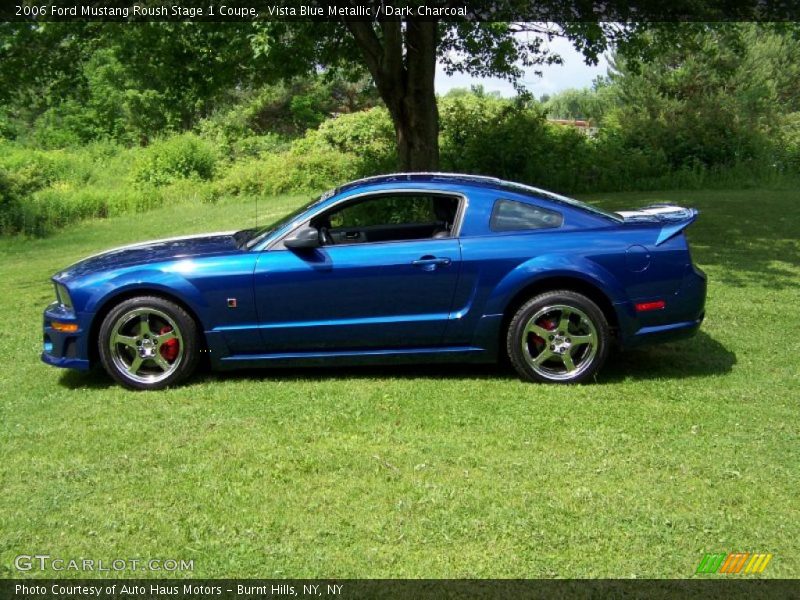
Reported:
(355, 294)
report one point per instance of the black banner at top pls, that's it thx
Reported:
(376, 10)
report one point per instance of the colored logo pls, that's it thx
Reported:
(735, 562)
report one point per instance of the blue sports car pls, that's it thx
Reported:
(417, 267)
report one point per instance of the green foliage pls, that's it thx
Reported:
(369, 135)
(41, 191)
(8, 130)
(112, 105)
(488, 135)
(788, 145)
(344, 148)
(178, 157)
(257, 145)
(126, 83)
(591, 104)
(287, 110)
(305, 167)
(712, 102)
(255, 112)
(117, 105)
(513, 140)
(317, 169)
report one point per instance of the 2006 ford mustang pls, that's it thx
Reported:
(396, 268)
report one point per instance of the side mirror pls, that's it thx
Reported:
(307, 237)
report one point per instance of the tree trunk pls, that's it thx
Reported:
(405, 81)
(418, 132)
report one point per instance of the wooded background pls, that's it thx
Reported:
(102, 118)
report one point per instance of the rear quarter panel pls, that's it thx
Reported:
(621, 261)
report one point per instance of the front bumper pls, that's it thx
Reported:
(60, 348)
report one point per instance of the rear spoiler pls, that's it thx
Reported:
(673, 219)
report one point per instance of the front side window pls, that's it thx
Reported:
(389, 217)
(509, 215)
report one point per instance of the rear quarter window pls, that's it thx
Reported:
(510, 215)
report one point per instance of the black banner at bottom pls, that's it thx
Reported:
(414, 589)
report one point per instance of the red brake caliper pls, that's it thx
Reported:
(168, 349)
(544, 323)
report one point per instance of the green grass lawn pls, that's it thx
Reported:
(444, 471)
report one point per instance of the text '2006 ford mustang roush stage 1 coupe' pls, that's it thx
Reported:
(397, 268)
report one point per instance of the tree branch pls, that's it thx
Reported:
(369, 44)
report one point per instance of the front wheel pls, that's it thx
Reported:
(148, 343)
(558, 337)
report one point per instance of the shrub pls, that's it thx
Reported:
(312, 171)
(512, 140)
(488, 135)
(8, 130)
(256, 145)
(185, 156)
(304, 168)
(285, 109)
(787, 151)
(367, 134)
(345, 148)
(43, 190)
(8, 202)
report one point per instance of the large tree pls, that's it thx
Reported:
(188, 65)
(401, 55)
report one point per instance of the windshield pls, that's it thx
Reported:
(248, 238)
(565, 200)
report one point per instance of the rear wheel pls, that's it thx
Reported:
(148, 343)
(558, 337)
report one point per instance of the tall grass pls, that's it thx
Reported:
(43, 190)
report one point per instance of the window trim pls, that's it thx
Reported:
(463, 202)
(495, 208)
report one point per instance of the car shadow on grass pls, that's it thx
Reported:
(94, 379)
(699, 356)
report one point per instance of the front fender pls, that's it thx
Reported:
(146, 280)
(548, 266)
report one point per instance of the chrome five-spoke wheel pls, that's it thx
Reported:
(559, 342)
(148, 343)
(559, 336)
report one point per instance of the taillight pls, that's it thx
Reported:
(646, 306)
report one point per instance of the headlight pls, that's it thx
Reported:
(62, 294)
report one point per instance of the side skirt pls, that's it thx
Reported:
(446, 354)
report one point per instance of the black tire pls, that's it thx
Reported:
(141, 327)
(586, 338)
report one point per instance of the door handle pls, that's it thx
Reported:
(430, 262)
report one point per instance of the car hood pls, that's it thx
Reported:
(192, 246)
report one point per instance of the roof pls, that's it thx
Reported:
(421, 177)
(451, 178)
